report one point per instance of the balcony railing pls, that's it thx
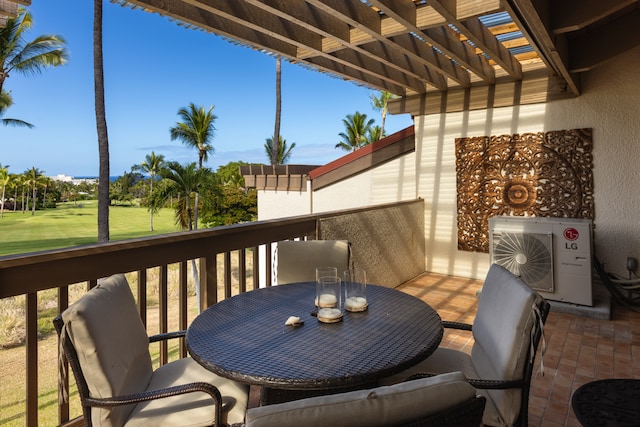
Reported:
(387, 240)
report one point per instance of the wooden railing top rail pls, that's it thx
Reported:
(32, 272)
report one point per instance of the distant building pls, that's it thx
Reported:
(74, 181)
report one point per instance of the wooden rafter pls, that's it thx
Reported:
(481, 37)
(605, 42)
(574, 15)
(440, 49)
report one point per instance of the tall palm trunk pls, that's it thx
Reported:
(194, 265)
(197, 198)
(101, 125)
(151, 211)
(2, 202)
(276, 131)
(33, 201)
(384, 118)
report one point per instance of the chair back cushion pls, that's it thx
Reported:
(502, 334)
(297, 260)
(112, 345)
(382, 406)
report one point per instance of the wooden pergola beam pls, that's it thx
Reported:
(605, 42)
(574, 15)
(535, 26)
(534, 88)
(481, 37)
(337, 38)
(441, 37)
(415, 48)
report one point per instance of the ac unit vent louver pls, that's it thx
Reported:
(552, 255)
(527, 255)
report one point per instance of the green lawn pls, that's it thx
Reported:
(70, 225)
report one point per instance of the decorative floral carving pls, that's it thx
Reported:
(546, 174)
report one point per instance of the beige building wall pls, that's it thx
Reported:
(281, 203)
(391, 182)
(609, 104)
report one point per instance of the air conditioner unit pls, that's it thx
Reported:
(552, 255)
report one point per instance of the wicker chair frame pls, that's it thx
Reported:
(465, 414)
(88, 402)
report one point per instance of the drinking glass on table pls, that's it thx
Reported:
(329, 299)
(355, 288)
(326, 272)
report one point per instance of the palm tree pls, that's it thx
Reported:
(15, 182)
(65, 190)
(379, 103)
(5, 102)
(283, 154)
(151, 165)
(182, 182)
(22, 182)
(33, 180)
(18, 55)
(101, 126)
(196, 130)
(5, 178)
(356, 126)
(46, 183)
(375, 133)
(275, 151)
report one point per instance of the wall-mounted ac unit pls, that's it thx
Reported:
(552, 255)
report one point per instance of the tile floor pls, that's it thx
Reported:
(579, 349)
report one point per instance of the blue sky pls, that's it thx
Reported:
(153, 67)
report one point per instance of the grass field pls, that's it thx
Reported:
(70, 225)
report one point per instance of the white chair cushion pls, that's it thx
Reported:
(382, 406)
(447, 360)
(502, 334)
(442, 360)
(297, 260)
(112, 345)
(191, 409)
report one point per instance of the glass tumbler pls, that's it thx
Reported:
(355, 289)
(329, 299)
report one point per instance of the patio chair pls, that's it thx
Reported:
(507, 329)
(106, 344)
(443, 400)
(296, 260)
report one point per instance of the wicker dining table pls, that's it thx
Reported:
(245, 338)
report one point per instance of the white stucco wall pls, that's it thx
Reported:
(391, 182)
(609, 104)
(280, 204)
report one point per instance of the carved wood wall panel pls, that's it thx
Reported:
(545, 174)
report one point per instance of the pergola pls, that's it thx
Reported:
(437, 55)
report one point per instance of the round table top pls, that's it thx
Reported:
(245, 338)
(608, 402)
